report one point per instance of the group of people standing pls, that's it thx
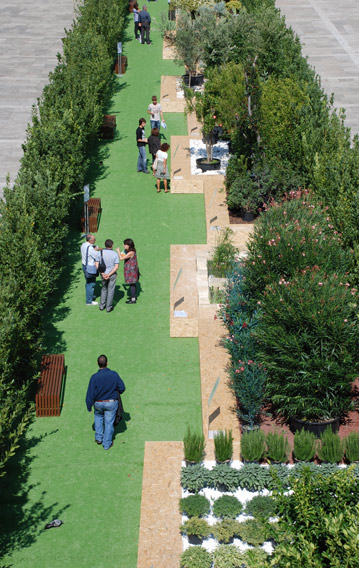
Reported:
(142, 20)
(105, 261)
(158, 151)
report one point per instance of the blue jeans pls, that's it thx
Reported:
(89, 286)
(156, 124)
(105, 413)
(142, 159)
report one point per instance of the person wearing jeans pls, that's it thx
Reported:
(108, 277)
(89, 257)
(155, 110)
(102, 395)
(141, 145)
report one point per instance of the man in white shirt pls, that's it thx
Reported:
(89, 257)
(155, 110)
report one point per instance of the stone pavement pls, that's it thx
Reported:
(329, 33)
(30, 38)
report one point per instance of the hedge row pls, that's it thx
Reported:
(34, 214)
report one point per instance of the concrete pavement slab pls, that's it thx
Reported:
(30, 38)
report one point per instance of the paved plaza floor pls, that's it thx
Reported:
(30, 38)
(329, 33)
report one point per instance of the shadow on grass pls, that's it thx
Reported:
(21, 524)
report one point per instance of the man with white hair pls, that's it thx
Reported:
(144, 21)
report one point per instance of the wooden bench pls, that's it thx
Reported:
(94, 211)
(107, 130)
(49, 385)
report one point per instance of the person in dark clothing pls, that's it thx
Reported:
(141, 145)
(102, 395)
(144, 21)
(154, 143)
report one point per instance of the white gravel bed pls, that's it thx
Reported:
(243, 495)
(198, 150)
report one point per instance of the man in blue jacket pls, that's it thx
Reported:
(102, 395)
(144, 21)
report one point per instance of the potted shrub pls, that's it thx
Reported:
(193, 446)
(227, 506)
(351, 443)
(196, 557)
(195, 506)
(253, 446)
(252, 531)
(245, 194)
(223, 446)
(304, 445)
(227, 556)
(255, 557)
(196, 529)
(223, 255)
(224, 531)
(330, 447)
(261, 506)
(277, 447)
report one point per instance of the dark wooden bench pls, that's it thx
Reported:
(107, 130)
(49, 385)
(94, 210)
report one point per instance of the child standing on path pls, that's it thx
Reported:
(130, 267)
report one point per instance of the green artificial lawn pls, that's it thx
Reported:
(60, 471)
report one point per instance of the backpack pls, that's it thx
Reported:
(101, 265)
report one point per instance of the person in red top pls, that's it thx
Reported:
(130, 268)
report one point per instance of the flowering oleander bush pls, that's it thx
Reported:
(308, 338)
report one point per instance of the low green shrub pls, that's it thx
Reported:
(255, 558)
(227, 506)
(193, 446)
(227, 556)
(223, 446)
(351, 443)
(252, 531)
(196, 527)
(194, 477)
(277, 447)
(225, 530)
(224, 253)
(195, 506)
(261, 506)
(253, 445)
(279, 476)
(224, 477)
(304, 445)
(330, 447)
(196, 557)
(253, 477)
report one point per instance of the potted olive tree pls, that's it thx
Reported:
(189, 48)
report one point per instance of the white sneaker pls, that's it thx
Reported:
(93, 303)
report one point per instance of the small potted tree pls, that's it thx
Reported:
(189, 48)
(204, 107)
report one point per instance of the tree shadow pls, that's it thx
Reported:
(21, 524)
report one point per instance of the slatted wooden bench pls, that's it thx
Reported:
(49, 385)
(108, 127)
(94, 210)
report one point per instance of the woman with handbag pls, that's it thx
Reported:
(161, 169)
(130, 267)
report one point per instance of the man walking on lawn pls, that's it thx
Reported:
(102, 395)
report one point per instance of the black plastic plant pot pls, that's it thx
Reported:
(247, 216)
(194, 539)
(317, 428)
(196, 80)
(205, 166)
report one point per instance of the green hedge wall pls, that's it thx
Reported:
(33, 215)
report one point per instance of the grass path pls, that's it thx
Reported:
(62, 472)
